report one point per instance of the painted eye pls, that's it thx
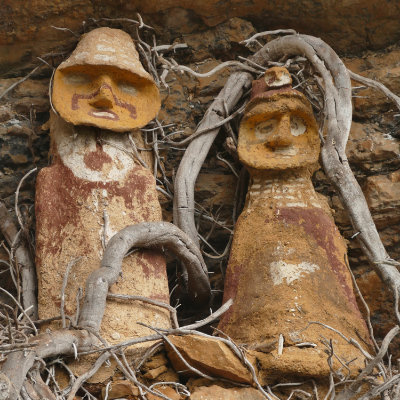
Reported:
(297, 126)
(127, 88)
(76, 79)
(265, 128)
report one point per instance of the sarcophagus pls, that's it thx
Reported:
(287, 271)
(95, 185)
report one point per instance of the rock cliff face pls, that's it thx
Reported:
(349, 26)
(213, 32)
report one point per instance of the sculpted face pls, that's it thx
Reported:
(105, 97)
(279, 132)
(104, 84)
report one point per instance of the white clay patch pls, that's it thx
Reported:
(281, 250)
(81, 56)
(286, 151)
(76, 79)
(105, 58)
(128, 88)
(265, 129)
(297, 126)
(72, 149)
(277, 78)
(109, 49)
(104, 114)
(281, 270)
(296, 204)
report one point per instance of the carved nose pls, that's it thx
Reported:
(282, 137)
(103, 100)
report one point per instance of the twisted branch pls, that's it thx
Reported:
(65, 342)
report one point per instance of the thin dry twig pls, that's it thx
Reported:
(170, 47)
(354, 387)
(173, 347)
(17, 212)
(151, 338)
(376, 85)
(143, 299)
(23, 259)
(365, 305)
(200, 132)
(352, 341)
(226, 64)
(64, 286)
(65, 30)
(212, 317)
(254, 38)
(21, 308)
(15, 84)
(87, 375)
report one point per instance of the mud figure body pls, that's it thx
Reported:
(95, 186)
(288, 260)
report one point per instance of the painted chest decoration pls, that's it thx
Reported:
(95, 186)
(288, 260)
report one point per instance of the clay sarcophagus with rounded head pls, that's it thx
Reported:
(287, 268)
(95, 186)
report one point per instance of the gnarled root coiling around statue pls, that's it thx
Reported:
(143, 235)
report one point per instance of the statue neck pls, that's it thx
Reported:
(286, 188)
(90, 153)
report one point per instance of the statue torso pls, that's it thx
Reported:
(287, 267)
(94, 188)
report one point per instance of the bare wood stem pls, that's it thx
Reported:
(211, 317)
(218, 68)
(15, 84)
(21, 308)
(47, 345)
(64, 286)
(354, 387)
(24, 259)
(200, 132)
(17, 212)
(171, 309)
(84, 377)
(376, 85)
(151, 338)
(170, 47)
(189, 168)
(253, 38)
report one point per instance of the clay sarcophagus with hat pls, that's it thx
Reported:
(95, 186)
(287, 272)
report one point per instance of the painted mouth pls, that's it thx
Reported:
(285, 151)
(104, 114)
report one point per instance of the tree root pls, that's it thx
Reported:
(23, 258)
(83, 339)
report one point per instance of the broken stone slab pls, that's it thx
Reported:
(210, 356)
(216, 392)
(126, 389)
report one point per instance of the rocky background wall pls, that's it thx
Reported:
(365, 33)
